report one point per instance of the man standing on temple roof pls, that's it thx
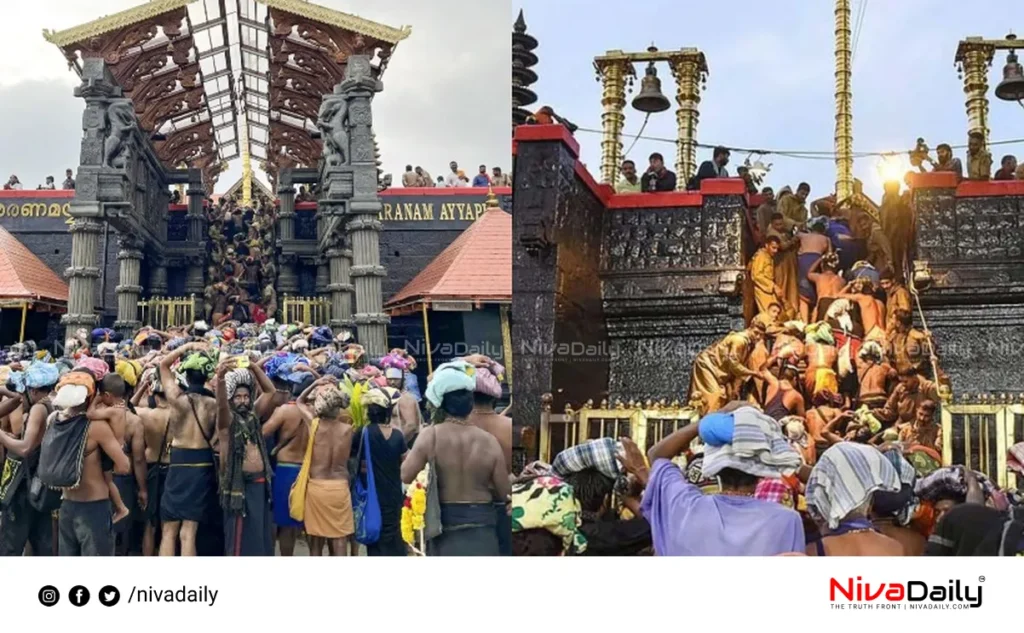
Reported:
(658, 177)
(1008, 168)
(793, 208)
(453, 176)
(13, 183)
(49, 185)
(714, 168)
(979, 160)
(947, 162)
(69, 181)
(481, 179)
(409, 178)
(423, 178)
(629, 183)
(499, 179)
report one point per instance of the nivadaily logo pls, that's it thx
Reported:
(911, 594)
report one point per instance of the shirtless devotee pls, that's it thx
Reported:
(488, 389)
(813, 244)
(327, 510)
(872, 311)
(761, 270)
(20, 523)
(191, 476)
(781, 398)
(820, 375)
(154, 416)
(109, 405)
(827, 282)
(471, 471)
(291, 433)
(85, 512)
(873, 376)
(245, 466)
(405, 416)
(719, 370)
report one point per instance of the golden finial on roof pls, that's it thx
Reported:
(492, 200)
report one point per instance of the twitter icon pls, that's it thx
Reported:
(109, 596)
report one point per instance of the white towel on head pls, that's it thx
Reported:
(758, 448)
(70, 396)
(844, 479)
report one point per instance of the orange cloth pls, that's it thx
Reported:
(328, 508)
(78, 378)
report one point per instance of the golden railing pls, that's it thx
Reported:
(645, 423)
(977, 431)
(164, 312)
(308, 310)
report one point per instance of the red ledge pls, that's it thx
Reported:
(305, 205)
(603, 192)
(976, 188)
(37, 193)
(173, 208)
(723, 186)
(535, 133)
(668, 199)
(932, 180)
(445, 191)
(755, 200)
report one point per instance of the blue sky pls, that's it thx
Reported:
(771, 82)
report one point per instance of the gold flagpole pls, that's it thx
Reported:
(844, 103)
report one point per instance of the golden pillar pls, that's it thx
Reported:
(844, 103)
(612, 73)
(974, 58)
(688, 70)
(246, 166)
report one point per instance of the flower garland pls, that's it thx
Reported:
(414, 508)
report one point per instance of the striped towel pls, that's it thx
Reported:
(599, 454)
(844, 479)
(904, 469)
(949, 481)
(758, 448)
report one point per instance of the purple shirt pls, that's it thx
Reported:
(685, 522)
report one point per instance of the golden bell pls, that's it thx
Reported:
(650, 98)
(1011, 88)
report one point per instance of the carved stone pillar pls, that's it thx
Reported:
(196, 213)
(157, 277)
(287, 277)
(83, 273)
(194, 284)
(323, 275)
(129, 288)
(363, 226)
(339, 262)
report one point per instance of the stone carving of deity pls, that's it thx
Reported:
(120, 124)
(333, 123)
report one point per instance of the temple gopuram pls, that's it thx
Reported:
(625, 290)
(175, 90)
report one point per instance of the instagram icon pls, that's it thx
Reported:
(49, 596)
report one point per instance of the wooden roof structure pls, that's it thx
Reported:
(198, 69)
(24, 277)
(476, 267)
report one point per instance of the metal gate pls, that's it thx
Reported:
(308, 310)
(978, 434)
(164, 312)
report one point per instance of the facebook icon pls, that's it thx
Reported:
(78, 595)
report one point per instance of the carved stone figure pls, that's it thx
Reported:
(121, 123)
(333, 124)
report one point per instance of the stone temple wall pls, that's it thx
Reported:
(614, 295)
(970, 243)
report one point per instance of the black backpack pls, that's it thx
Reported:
(40, 496)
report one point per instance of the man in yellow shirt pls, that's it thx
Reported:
(629, 183)
(979, 160)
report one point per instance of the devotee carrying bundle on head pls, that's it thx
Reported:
(742, 446)
(466, 463)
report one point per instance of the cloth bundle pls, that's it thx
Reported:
(322, 336)
(774, 490)
(74, 389)
(129, 370)
(488, 379)
(396, 360)
(843, 480)
(820, 332)
(950, 482)
(237, 378)
(598, 454)
(548, 503)
(97, 367)
(757, 448)
(200, 362)
(385, 397)
(452, 376)
(352, 353)
(36, 376)
(903, 504)
(329, 398)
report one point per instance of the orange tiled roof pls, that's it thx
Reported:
(477, 266)
(25, 276)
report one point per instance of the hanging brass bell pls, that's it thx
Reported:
(1011, 88)
(650, 98)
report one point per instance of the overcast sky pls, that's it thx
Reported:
(771, 82)
(446, 92)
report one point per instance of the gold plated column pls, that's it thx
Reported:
(613, 74)
(975, 58)
(688, 71)
(844, 103)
